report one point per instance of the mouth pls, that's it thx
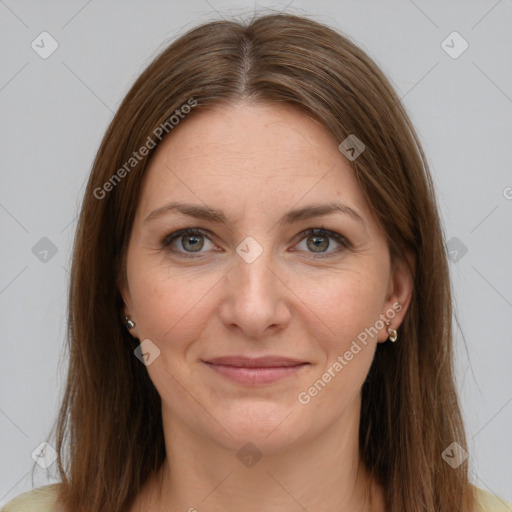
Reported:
(255, 371)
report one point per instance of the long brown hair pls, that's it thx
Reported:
(109, 431)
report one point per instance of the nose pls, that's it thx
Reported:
(256, 300)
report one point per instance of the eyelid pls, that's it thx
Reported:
(325, 232)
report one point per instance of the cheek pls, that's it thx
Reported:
(170, 308)
(345, 310)
(345, 304)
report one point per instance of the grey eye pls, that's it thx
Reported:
(187, 241)
(322, 242)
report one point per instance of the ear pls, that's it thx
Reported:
(399, 294)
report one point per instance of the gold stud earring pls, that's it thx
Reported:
(393, 335)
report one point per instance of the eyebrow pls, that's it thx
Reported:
(214, 215)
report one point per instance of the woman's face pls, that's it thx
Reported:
(262, 322)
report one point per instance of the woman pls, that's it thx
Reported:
(260, 309)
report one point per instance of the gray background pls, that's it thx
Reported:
(55, 111)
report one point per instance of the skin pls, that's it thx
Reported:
(256, 162)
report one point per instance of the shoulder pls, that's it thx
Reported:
(42, 499)
(490, 502)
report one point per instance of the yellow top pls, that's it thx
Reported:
(44, 499)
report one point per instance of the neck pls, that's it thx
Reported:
(323, 474)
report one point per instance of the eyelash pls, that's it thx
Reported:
(319, 232)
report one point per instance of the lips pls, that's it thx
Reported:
(256, 362)
(255, 371)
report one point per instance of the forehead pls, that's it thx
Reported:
(249, 155)
(245, 133)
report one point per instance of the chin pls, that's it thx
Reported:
(270, 427)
